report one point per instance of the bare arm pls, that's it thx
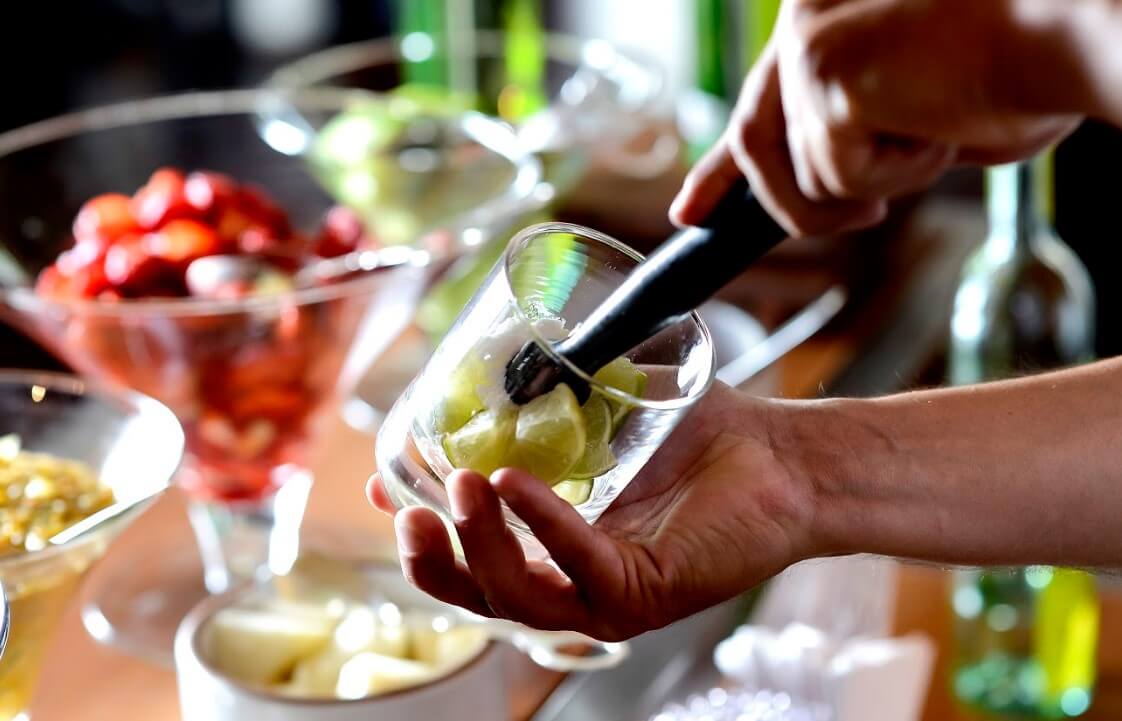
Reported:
(1025, 471)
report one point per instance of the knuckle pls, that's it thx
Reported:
(846, 177)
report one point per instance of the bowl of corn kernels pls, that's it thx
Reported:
(68, 449)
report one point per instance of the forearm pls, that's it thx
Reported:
(1027, 471)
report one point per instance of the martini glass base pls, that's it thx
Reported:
(135, 601)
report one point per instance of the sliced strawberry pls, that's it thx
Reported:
(104, 219)
(133, 271)
(181, 241)
(51, 283)
(275, 404)
(161, 200)
(209, 193)
(342, 232)
(232, 221)
(255, 203)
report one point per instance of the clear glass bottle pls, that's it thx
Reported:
(1025, 638)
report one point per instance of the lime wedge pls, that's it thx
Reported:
(549, 436)
(623, 375)
(598, 458)
(461, 399)
(483, 443)
(573, 491)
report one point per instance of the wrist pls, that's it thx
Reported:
(832, 450)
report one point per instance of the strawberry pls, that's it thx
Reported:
(103, 219)
(181, 241)
(161, 200)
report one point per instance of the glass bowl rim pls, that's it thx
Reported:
(318, 69)
(5, 620)
(145, 406)
(590, 234)
(491, 133)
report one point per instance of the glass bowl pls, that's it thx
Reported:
(250, 379)
(132, 442)
(551, 273)
(568, 97)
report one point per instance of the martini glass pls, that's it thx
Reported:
(560, 272)
(569, 98)
(572, 101)
(251, 379)
(133, 443)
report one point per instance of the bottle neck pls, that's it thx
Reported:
(1014, 206)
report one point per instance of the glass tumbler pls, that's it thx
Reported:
(549, 280)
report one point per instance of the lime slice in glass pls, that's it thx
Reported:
(575, 492)
(461, 398)
(549, 436)
(483, 443)
(623, 375)
(598, 458)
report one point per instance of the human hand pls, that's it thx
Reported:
(712, 514)
(858, 101)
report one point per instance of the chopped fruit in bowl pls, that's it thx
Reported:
(144, 246)
(337, 649)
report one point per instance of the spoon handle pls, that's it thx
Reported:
(678, 277)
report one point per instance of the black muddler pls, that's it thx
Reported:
(679, 276)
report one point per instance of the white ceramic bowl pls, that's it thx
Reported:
(474, 691)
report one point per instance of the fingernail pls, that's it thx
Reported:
(460, 501)
(409, 541)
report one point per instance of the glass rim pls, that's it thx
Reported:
(5, 619)
(590, 234)
(319, 68)
(490, 133)
(143, 405)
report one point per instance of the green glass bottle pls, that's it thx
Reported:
(1025, 638)
(730, 35)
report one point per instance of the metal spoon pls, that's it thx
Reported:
(95, 520)
(205, 276)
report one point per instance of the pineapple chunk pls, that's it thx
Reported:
(372, 674)
(262, 645)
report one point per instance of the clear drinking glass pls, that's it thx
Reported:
(250, 379)
(549, 273)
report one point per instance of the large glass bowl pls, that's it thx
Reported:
(132, 442)
(568, 97)
(249, 379)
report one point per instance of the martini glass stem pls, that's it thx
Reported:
(239, 540)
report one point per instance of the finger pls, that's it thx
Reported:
(1027, 145)
(586, 556)
(866, 168)
(429, 562)
(704, 187)
(541, 597)
(758, 144)
(376, 494)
